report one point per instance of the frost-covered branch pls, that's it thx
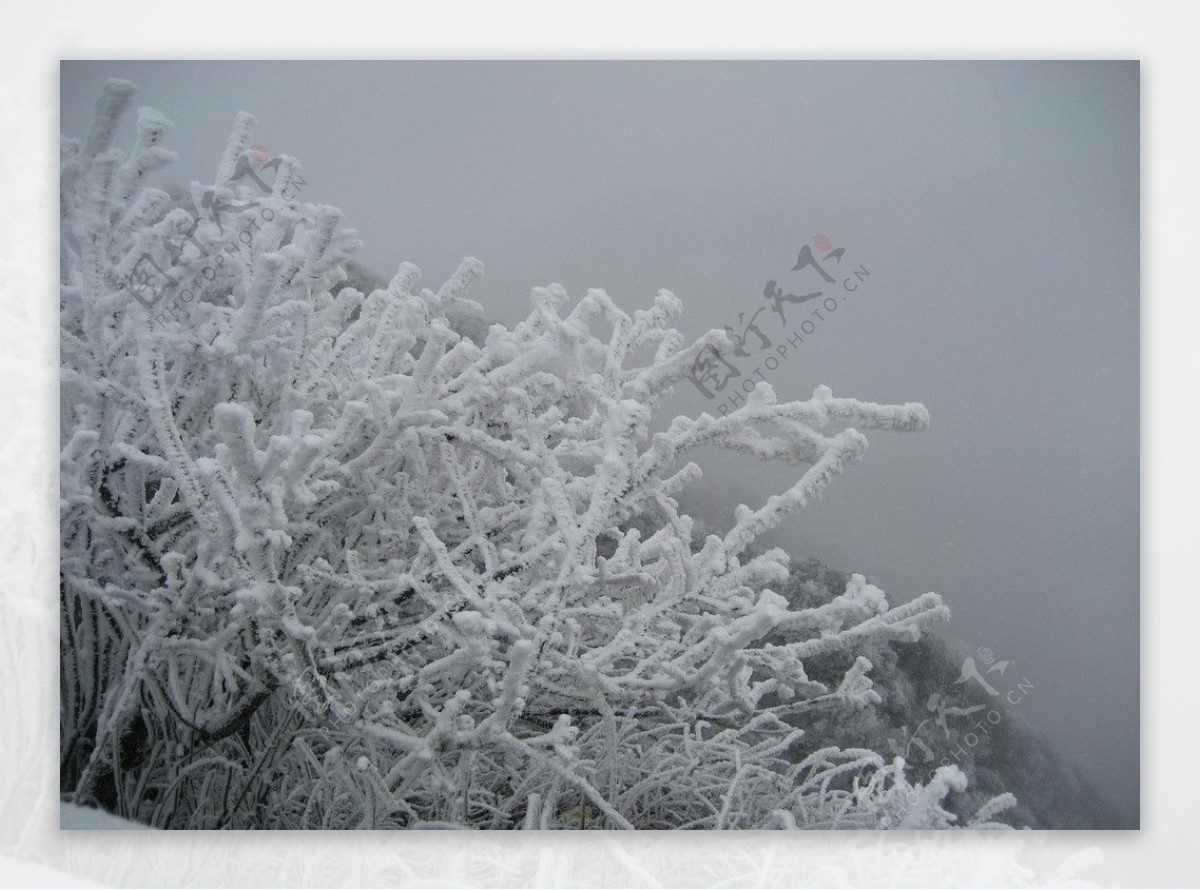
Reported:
(419, 579)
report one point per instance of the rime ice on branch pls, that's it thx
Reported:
(425, 580)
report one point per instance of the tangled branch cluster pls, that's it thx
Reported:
(328, 563)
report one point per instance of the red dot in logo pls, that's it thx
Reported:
(822, 242)
(259, 153)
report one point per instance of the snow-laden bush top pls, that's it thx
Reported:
(326, 562)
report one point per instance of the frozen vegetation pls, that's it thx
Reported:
(347, 559)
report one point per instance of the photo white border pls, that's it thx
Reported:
(36, 37)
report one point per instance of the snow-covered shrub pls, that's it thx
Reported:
(327, 563)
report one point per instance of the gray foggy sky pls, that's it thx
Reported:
(994, 204)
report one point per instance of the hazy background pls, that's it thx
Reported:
(995, 205)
